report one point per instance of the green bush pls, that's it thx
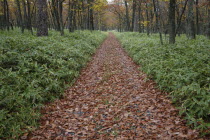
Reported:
(35, 70)
(183, 69)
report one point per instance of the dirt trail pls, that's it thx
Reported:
(112, 100)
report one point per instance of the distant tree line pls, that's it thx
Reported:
(173, 17)
(51, 14)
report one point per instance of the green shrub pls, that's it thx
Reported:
(35, 70)
(183, 69)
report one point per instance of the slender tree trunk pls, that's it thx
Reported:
(88, 18)
(91, 16)
(70, 17)
(157, 19)
(172, 21)
(139, 13)
(42, 18)
(208, 28)
(20, 16)
(197, 18)
(156, 15)
(133, 15)
(127, 16)
(143, 20)
(152, 29)
(29, 16)
(191, 24)
(74, 18)
(82, 16)
(180, 17)
(55, 13)
(50, 16)
(6, 15)
(148, 22)
(25, 16)
(60, 11)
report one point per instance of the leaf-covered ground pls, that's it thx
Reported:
(112, 100)
(36, 70)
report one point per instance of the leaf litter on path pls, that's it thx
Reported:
(112, 100)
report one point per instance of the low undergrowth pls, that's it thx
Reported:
(36, 70)
(182, 69)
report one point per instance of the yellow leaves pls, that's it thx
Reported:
(145, 23)
(99, 5)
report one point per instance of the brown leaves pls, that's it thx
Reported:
(112, 100)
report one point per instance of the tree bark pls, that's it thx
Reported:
(148, 22)
(6, 15)
(208, 28)
(55, 13)
(20, 16)
(70, 14)
(191, 25)
(139, 13)
(60, 11)
(90, 15)
(42, 18)
(172, 25)
(29, 26)
(25, 16)
(127, 16)
(180, 17)
(197, 18)
(133, 15)
(157, 15)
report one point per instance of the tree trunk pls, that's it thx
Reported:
(25, 22)
(139, 14)
(197, 18)
(133, 15)
(208, 28)
(6, 15)
(127, 16)
(55, 13)
(180, 17)
(191, 25)
(172, 21)
(20, 16)
(60, 11)
(157, 15)
(91, 16)
(70, 14)
(42, 18)
(29, 26)
(50, 16)
(148, 24)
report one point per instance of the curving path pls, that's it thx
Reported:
(112, 100)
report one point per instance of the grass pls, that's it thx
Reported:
(182, 69)
(35, 70)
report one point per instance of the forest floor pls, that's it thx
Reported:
(112, 99)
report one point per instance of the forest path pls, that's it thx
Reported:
(112, 100)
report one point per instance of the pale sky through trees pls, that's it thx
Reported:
(109, 0)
